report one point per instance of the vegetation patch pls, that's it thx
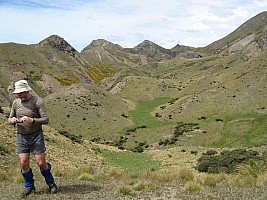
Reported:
(141, 115)
(179, 130)
(130, 161)
(247, 130)
(67, 82)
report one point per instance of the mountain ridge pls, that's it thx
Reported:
(104, 61)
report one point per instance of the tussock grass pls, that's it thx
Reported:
(90, 169)
(186, 175)
(253, 173)
(164, 176)
(144, 186)
(3, 175)
(19, 179)
(125, 191)
(86, 177)
(192, 186)
(10, 175)
(222, 176)
(115, 172)
(210, 180)
(254, 168)
(262, 180)
(243, 181)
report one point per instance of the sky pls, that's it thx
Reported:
(195, 23)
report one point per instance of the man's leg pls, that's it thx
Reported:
(27, 174)
(45, 169)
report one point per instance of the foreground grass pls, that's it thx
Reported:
(182, 183)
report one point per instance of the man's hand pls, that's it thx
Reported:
(26, 119)
(14, 120)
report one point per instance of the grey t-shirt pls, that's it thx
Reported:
(33, 108)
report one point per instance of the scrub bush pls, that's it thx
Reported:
(226, 162)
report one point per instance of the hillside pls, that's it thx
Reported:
(87, 111)
(93, 94)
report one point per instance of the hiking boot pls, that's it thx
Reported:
(53, 188)
(27, 191)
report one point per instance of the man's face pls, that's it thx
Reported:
(23, 95)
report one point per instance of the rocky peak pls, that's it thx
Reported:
(101, 43)
(146, 44)
(60, 44)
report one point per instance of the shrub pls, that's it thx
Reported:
(124, 115)
(131, 130)
(142, 126)
(162, 107)
(121, 147)
(210, 152)
(138, 149)
(226, 162)
(182, 128)
(74, 138)
(193, 152)
(3, 150)
(1, 110)
(202, 118)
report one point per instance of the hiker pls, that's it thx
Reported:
(28, 113)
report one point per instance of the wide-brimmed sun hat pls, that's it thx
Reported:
(21, 86)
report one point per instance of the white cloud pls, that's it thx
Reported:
(127, 23)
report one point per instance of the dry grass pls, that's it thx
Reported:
(210, 180)
(192, 186)
(145, 185)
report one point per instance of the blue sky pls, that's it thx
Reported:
(125, 22)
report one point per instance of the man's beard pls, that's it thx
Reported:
(23, 98)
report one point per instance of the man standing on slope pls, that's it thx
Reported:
(28, 112)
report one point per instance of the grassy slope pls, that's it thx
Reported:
(216, 88)
(87, 111)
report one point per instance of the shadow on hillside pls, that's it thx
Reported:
(78, 188)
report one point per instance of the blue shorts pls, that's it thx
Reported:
(33, 143)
